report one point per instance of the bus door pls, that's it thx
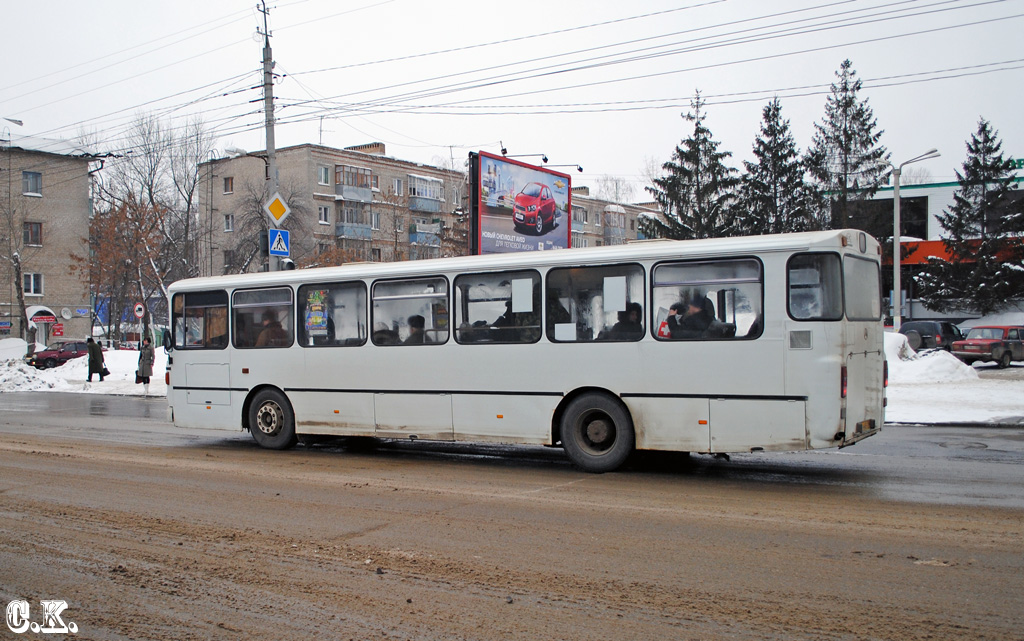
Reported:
(200, 342)
(865, 387)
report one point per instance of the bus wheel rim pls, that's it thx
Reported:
(269, 418)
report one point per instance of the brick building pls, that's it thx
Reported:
(597, 222)
(352, 204)
(45, 209)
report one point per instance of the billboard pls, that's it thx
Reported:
(519, 207)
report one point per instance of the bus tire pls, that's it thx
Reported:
(597, 433)
(271, 421)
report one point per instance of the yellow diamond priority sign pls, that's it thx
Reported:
(277, 208)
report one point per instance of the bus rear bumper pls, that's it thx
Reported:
(861, 431)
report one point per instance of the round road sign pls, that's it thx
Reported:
(140, 310)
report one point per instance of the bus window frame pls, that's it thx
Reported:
(290, 314)
(878, 274)
(538, 302)
(842, 288)
(550, 330)
(760, 281)
(184, 306)
(300, 322)
(446, 295)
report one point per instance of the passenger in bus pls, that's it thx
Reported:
(417, 336)
(688, 320)
(629, 327)
(272, 334)
(384, 336)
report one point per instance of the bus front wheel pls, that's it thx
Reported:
(597, 433)
(271, 421)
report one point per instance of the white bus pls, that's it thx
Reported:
(770, 343)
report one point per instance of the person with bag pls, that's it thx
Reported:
(146, 356)
(96, 364)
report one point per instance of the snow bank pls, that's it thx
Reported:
(937, 366)
(17, 376)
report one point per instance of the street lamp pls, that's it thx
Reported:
(896, 286)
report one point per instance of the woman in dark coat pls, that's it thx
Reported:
(95, 359)
(145, 363)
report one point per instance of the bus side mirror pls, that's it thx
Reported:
(167, 341)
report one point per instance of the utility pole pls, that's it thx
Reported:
(268, 110)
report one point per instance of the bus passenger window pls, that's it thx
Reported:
(595, 303)
(410, 312)
(708, 300)
(815, 287)
(262, 317)
(500, 307)
(332, 314)
(199, 320)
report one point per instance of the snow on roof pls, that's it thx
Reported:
(49, 146)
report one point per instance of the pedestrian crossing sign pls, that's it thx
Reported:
(278, 241)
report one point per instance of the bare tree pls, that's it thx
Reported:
(251, 222)
(615, 189)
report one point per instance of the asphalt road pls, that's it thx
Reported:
(152, 532)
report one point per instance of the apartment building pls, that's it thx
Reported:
(45, 209)
(597, 222)
(352, 204)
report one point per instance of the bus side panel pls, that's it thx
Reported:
(865, 381)
(414, 415)
(336, 413)
(503, 418)
(680, 424)
(739, 425)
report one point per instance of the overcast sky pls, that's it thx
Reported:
(597, 83)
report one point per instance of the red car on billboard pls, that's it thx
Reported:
(534, 207)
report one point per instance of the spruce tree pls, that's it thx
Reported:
(697, 193)
(982, 234)
(845, 160)
(772, 197)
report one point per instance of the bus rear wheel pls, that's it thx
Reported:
(271, 421)
(597, 433)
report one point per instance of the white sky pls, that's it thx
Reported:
(74, 66)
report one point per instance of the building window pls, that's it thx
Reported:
(31, 183)
(398, 186)
(354, 177)
(33, 233)
(375, 254)
(323, 175)
(579, 214)
(33, 284)
(229, 260)
(229, 222)
(375, 220)
(229, 185)
(426, 187)
(324, 212)
(353, 216)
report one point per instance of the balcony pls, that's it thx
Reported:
(425, 235)
(353, 230)
(354, 194)
(425, 204)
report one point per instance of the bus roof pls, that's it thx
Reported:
(640, 250)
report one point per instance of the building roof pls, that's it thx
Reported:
(50, 146)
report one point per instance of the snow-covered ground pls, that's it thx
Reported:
(933, 387)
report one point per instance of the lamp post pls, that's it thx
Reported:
(896, 236)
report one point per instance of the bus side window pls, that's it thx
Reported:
(199, 320)
(332, 314)
(604, 303)
(815, 287)
(262, 317)
(410, 312)
(500, 307)
(708, 299)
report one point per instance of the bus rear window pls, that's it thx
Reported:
(863, 289)
(200, 320)
(815, 287)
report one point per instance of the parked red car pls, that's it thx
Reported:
(534, 207)
(999, 343)
(57, 354)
